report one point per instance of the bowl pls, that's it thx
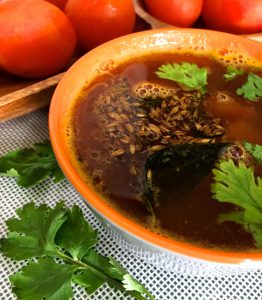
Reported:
(151, 247)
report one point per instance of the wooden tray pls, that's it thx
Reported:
(19, 96)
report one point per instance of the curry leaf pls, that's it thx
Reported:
(178, 169)
(31, 165)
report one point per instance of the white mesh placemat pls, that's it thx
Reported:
(164, 285)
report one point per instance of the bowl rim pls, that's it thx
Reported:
(102, 207)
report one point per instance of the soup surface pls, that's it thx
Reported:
(126, 122)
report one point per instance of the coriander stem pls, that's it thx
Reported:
(100, 274)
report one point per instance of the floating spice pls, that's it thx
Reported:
(149, 117)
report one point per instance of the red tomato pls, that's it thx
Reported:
(37, 39)
(98, 21)
(235, 16)
(182, 13)
(59, 3)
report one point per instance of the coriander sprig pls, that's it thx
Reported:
(43, 234)
(232, 73)
(31, 165)
(252, 89)
(188, 76)
(237, 184)
(255, 150)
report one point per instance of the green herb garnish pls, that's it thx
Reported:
(255, 150)
(188, 76)
(43, 234)
(232, 73)
(31, 165)
(239, 186)
(252, 89)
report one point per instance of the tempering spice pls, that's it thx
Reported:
(148, 117)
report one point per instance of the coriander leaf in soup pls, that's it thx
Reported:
(238, 185)
(252, 89)
(188, 76)
(232, 73)
(31, 165)
(235, 216)
(76, 236)
(32, 233)
(44, 279)
(255, 150)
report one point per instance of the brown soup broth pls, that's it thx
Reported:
(112, 152)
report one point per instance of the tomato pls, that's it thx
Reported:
(181, 13)
(37, 39)
(98, 21)
(59, 3)
(235, 16)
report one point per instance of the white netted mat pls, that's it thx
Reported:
(164, 285)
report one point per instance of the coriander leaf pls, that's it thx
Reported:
(232, 73)
(32, 164)
(131, 284)
(33, 233)
(76, 236)
(117, 267)
(57, 174)
(189, 76)
(235, 216)
(12, 173)
(104, 265)
(90, 281)
(112, 270)
(252, 89)
(44, 279)
(239, 217)
(255, 150)
(256, 230)
(238, 185)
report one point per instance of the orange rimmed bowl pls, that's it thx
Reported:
(158, 250)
